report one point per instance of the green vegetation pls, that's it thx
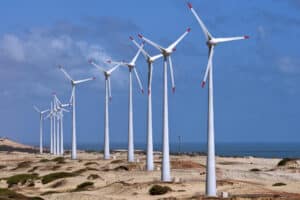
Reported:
(20, 178)
(278, 184)
(84, 186)
(285, 161)
(159, 190)
(58, 175)
(6, 194)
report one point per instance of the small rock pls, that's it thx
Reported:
(224, 194)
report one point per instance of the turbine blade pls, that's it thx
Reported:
(139, 80)
(211, 53)
(172, 47)
(113, 69)
(208, 36)
(145, 54)
(97, 66)
(84, 80)
(36, 109)
(115, 62)
(44, 111)
(172, 74)
(154, 58)
(133, 61)
(229, 39)
(65, 73)
(151, 43)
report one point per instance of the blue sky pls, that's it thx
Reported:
(256, 81)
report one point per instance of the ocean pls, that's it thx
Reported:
(265, 150)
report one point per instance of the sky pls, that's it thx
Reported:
(256, 81)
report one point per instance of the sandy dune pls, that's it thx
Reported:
(242, 178)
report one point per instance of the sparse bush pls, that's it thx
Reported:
(20, 178)
(255, 170)
(24, 164)
(159, 190)
(44, 160)
(278, 184)
(54, 176)
(91, 163)
(285, 161)
(84, 186)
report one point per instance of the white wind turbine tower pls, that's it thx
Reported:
(149, 60)
(166, 52)
(107, 74)
(41, 126)
(211, 43)
(73, 102)
(131, 67)
(51, 115)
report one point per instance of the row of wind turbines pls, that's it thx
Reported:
(57, 108)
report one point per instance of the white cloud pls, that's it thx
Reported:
(34, 56)
(12, 47)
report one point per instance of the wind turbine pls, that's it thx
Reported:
(131, 66)
(107, 74)
(74, 83)
(166, 52)
(149, 60)
(60, 110)
(211, 42)
(41, 126)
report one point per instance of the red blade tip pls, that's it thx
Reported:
(110, 99)
(131, 38)
(190, 5)
(173, 89)
(246, 36)
(108, 61)
(90, 61)
(203, 84)
(142, 91)
(189, 30)
(94, 78)
(140, 35)
(149, 91)
(174, 49)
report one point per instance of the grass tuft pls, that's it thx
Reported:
(58, 175)
(20, 178)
